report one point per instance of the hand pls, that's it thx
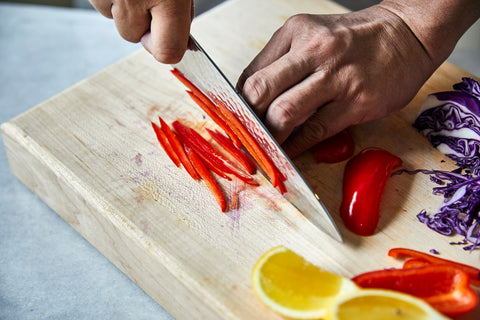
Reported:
(319, 74)
(163, 26)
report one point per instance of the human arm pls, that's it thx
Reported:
(163, 26)
(319, 74)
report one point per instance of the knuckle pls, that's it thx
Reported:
(296, 20)
(256, 88)
(283, 113)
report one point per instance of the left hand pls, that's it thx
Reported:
(319, 74)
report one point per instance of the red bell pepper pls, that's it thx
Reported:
(444, 287)
(167, 147)
(178, 148)
(252, 146)
(364, 182)
(338, 148)
(207, 177)
(234, 129)
(230, 147)
(208, 153)
(211, 110)
(473, 273)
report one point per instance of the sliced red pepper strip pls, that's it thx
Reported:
(250, 144)
(206, 104)
(207, 177)
(473, 273)
(209, 154)
(177, 146)
(218, 172)
(364, 182)
(230, 147)
(413, 263)
(444, 287)
(335, 149)
(211, 110)
(167, 147)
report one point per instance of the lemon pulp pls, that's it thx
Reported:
(295, 283)
(294, 287)
(378, 308)
(378, 304)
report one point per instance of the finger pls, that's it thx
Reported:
(296, 105)
(326, 122)
(131, 19)
(103, 6)
(277, 46)
(169, 30)
(268, 83)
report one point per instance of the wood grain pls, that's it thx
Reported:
(91, 155)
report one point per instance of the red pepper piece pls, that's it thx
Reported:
(230, 147)
(473, 273)
(338, 148)
(177, 146)
(206, 104)
(211, 110)
(444, 287)
(207, 177)
(251, 145)
(218, 172)
(167, 147)
(364, 183)
(413, 263)
(208, 153)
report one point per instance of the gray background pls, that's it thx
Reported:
(47, 270)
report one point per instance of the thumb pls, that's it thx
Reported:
(169, 30)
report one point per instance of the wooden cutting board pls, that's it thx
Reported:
(91, 155)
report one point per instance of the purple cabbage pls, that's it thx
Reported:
(451, 121)
(460, 211)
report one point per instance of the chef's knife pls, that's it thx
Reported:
(197, 67)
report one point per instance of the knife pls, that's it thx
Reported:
(200, 69)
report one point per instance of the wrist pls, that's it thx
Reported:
(437, 25)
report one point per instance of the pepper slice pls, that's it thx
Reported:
(364, 182)
(207, 177)
(205, 104)
(208, 153)
(335, 149)
(167, 147)
(230, 147)
(444, 287)
(473, 273)
(178, 148)
(210, 110)
(253, 147)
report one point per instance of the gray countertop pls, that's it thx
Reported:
(47, 270)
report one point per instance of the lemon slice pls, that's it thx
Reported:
(294, 287)
(376, 304)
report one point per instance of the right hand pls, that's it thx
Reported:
(163, 26)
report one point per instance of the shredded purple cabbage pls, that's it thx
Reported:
(451, 121)
(460, 211)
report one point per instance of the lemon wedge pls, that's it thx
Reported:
(379, 304)
(294, 287)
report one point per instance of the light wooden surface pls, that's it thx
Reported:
(91, 155)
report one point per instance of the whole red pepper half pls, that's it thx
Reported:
(335, 149)
(364, 182)
(444, 287)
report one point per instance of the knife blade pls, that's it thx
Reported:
(200, 69)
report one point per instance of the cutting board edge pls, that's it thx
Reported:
(22, 149)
